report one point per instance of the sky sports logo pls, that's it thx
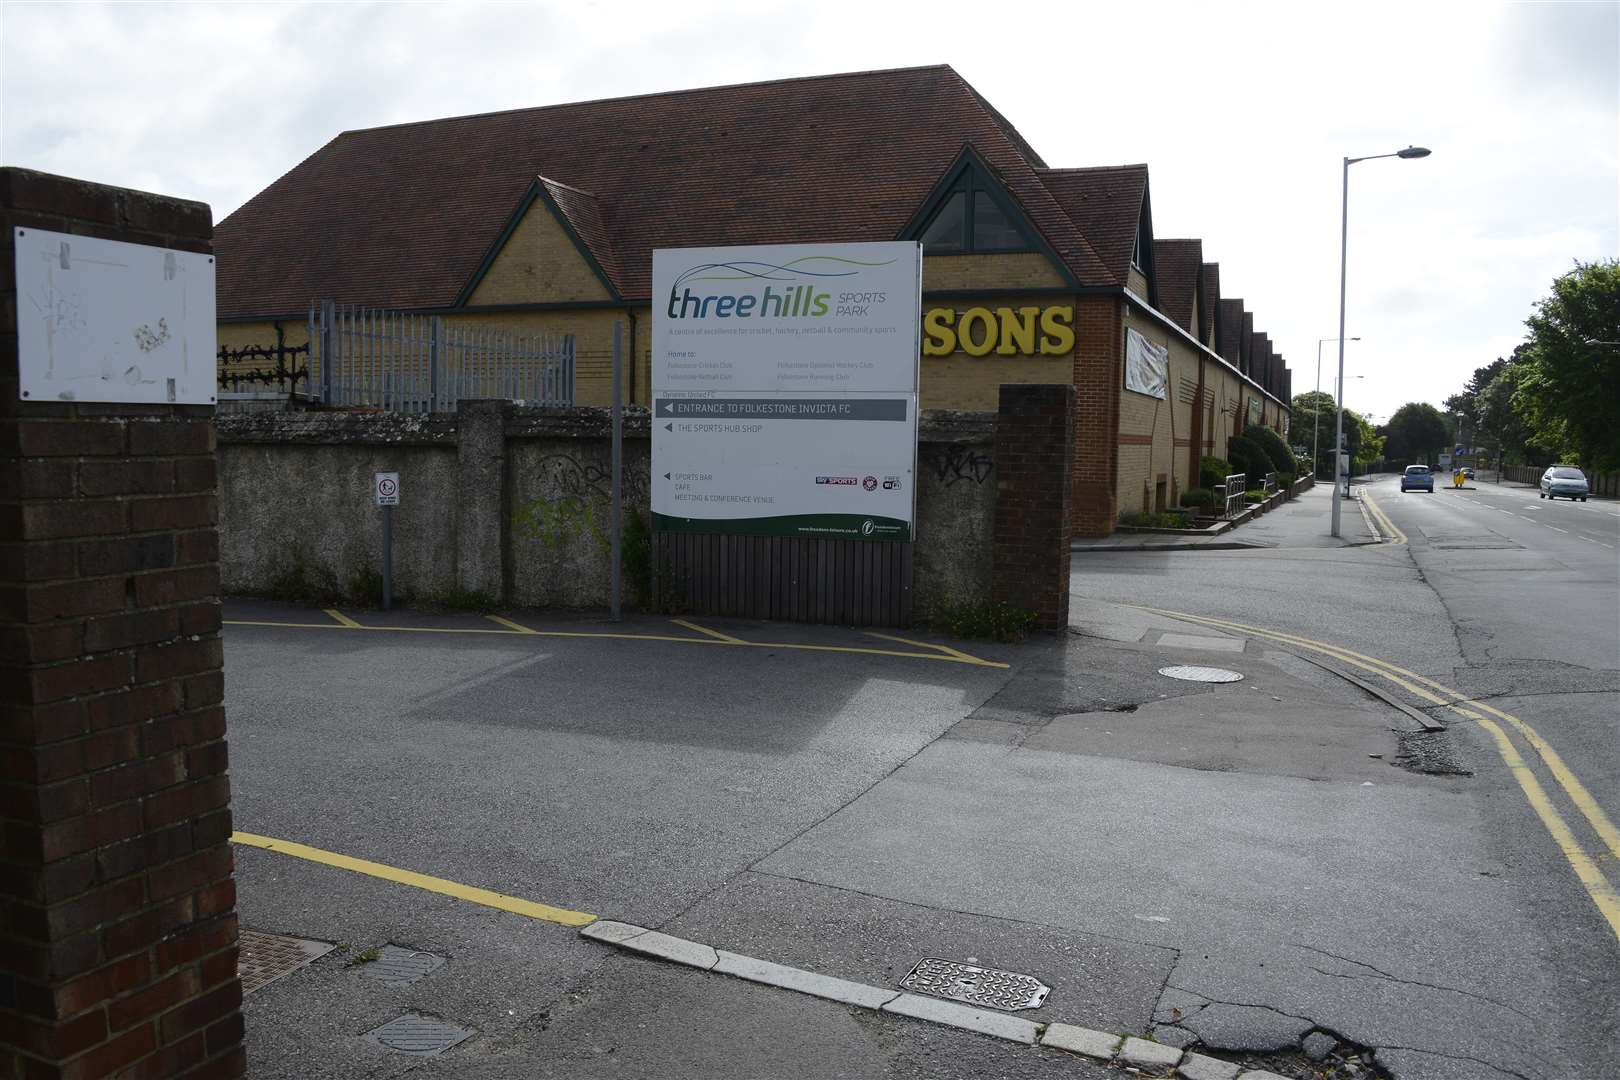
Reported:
(838, 481)
(782, 293)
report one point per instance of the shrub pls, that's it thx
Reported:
(1198, 497)
(1165, 519)
(1285, 480)
(1247, 458)
(997, 620)
(1276, 450)
(1255, 494)
(1213, 471)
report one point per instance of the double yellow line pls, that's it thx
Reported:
(1384, 523)
(1585, 865)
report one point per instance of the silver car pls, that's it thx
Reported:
(1565, 480)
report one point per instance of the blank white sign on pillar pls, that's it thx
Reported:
(105, 320)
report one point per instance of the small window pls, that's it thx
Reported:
(946, 233)
(993, 230)
(970, 218)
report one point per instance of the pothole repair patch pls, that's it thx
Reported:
(263, 958)
(423, 1036)
(1189, 673)
(400, 967)
(1005, 990)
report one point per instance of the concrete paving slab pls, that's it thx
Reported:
(1078, 1040)
(1200, 641)
(677, 950)
(1203, 1067)
(804, 982)
(983, 1021)
(1148, 1055)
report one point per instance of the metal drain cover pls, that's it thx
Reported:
(398, 967)
(424, 1036)
(1006, 990)
(1187, 673)
(263, 958)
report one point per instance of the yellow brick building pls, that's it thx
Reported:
(543, 221)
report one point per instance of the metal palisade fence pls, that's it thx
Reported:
(401, 362)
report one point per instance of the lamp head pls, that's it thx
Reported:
(1413, 152)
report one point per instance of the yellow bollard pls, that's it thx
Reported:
(1457, 480)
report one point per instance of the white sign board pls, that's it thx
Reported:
(785, 389)
(1445, 460)
(1147, 366)
(103, 320)
(385, 485)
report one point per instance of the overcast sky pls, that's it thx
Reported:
(1242, 111)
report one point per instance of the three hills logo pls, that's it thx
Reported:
(784, 292)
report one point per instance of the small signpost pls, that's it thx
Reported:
(385, 488)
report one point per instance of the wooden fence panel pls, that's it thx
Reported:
(848, 582)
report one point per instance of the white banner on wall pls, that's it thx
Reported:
(1147, 366)
(785, 389)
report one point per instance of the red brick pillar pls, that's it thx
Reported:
(1099, 378)
(117, 905)
(1034, 448)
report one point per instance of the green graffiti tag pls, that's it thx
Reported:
(558, 523)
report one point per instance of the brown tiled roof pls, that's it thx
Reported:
(1211, 283)
(1105, 204)
(1246, 342)
(1231, 329)
(403, 216)
(1176, 264)
(584, 216)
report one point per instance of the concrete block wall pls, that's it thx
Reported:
(118, 935)
(510, 504)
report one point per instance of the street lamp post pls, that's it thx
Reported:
(1316, 417)
(1344, 242)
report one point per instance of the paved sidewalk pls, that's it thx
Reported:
(1302, 522)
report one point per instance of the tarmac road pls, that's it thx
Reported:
(1233, 867)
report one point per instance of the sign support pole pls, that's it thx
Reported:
(388, 557)
(618, 465)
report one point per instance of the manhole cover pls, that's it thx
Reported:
(1005, 990)
(423, 1036)
(1187, 673)
(397, 967)
(263, 958)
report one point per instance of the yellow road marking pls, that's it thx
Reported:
(1602, 893)
(1383, 518)
(1577, 791)
(342, 618)
(946, 649)
(444, 887)
(519, 627)
(717, 635)
(952, 656)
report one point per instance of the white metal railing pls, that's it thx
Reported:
(402, 362)
(1231, 492)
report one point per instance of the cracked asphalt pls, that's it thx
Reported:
(1232, 867)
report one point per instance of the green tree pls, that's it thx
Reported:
(1416, 433)
(1569, 392)
(1313, 415)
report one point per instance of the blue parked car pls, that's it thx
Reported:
(1417, 478)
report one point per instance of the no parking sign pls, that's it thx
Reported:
(385, 486)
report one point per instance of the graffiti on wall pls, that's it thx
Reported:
(577, 501)
(953, 464)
